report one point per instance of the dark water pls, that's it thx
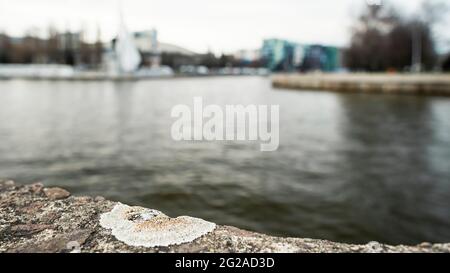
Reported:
(350, 167)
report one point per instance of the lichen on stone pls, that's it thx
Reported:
(137, 226)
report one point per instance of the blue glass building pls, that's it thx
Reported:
(283, 55)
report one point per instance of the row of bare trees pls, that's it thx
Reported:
(58, 48)
(384, 41)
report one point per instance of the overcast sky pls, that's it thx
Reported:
(199, 25)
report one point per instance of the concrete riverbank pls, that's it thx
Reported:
(38, 219)
(409, 84)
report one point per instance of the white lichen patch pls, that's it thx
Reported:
(137, 226)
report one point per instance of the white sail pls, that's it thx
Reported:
(127, 53)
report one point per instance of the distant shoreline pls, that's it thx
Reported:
(408, 84)
(119, 78)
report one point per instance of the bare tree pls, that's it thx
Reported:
(382, 40)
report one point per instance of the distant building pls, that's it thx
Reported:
(248, 55)
(69, 41)
(283, 55)
(154, 53)
(150, 48)
(147, 43)
(278, 54)
(174, 49)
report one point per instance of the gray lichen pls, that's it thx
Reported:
(137, 226)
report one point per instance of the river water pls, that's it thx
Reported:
(350, 167)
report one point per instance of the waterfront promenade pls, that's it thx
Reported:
(418, 84)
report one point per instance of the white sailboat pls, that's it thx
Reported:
(128, 56)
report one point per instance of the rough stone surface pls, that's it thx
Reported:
(32, 222)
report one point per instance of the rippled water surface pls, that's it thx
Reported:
(350, 167)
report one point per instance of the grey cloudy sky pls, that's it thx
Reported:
(222, 26)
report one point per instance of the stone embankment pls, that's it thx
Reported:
(409, 84)
(38, 219)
